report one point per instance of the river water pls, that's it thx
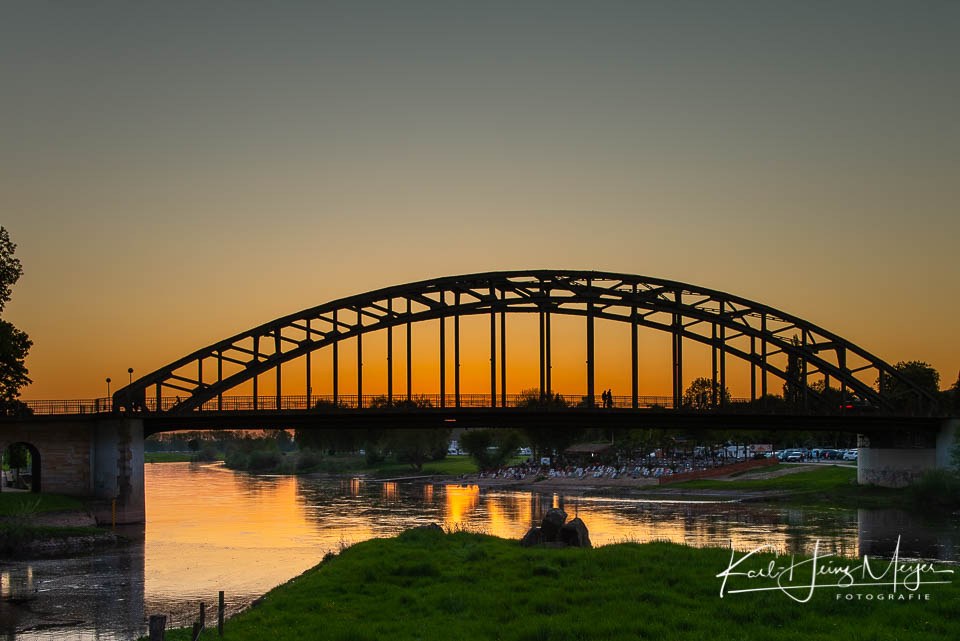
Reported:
(211, 529)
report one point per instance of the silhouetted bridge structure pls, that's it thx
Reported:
(818, 365)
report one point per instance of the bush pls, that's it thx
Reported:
(374, 455)
(207, 453)
(308, 459)
(237, 460)
(263, 460)
(937, 488)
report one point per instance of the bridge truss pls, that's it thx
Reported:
(731, 326)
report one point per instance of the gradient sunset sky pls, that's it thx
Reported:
(174, 173)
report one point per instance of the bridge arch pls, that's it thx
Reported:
(31, 461)
(730, 325)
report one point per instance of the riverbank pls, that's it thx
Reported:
(49, 525)
(430, 585)
(820, 486)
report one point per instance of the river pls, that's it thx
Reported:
(211, 529)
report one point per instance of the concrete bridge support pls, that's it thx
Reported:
(99, 458)
(897, 460)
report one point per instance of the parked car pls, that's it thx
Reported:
(851, 455)
(792, 456)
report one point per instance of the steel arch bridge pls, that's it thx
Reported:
(763, 336)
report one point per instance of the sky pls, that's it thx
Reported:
(177, 173)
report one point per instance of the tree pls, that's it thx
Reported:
(793, 386)
(700, 394)
(903, 395)
(10, 268)
(416, 446)
(490, 448)
(14, 344)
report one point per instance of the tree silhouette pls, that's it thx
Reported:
(14, 344)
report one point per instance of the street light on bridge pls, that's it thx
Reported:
(130, 372)
(108, 387)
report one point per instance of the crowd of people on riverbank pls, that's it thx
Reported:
(632, 468)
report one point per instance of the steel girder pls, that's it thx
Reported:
(679, 308)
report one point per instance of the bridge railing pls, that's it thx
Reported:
(349, 401)
(71, 406)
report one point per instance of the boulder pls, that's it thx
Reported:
(534, 536)
(575, 534)
(553, 520)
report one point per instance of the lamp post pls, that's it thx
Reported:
(130, 372)
(108, 387)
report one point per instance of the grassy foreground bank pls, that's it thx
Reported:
(431, 585)
(27, 503)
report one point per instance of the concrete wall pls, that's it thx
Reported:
(945, 442)
(117, 470)
(893, 467)
(97, 458)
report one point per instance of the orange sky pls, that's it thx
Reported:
(174, 175)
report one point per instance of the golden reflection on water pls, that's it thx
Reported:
(208, 527)
(460, 501)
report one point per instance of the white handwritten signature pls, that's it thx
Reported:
(848, 573)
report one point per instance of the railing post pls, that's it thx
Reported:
(390, 353)
(158, 627)
(220, 610)
(309, 373)
(634, 365)
(256, 359)
(409, 352)
(542, 356)
(493, 347)
(456, 349)
(277, 352)
(336, 360)
(753, 368)
(443, 355)
(803, 371)
(763, 355)
(590, 381)
(219, 379)
(503, 352)
(713, 377)
(723, 360)
(359, 359)
(199, 380)
(548, 352)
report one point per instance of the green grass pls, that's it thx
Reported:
(26, 503)
(757, 470)
(820, 480)
(173, 457)
(434, 586)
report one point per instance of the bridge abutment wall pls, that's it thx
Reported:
(98, 458)
(891, 463)
(117, 446)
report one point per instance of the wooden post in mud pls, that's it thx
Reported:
(158, 627)
(203, 615)
(220, 615)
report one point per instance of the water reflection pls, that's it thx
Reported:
(210, 529)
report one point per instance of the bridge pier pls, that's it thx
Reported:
(98, 458)
(897, 460)
(117, 469)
